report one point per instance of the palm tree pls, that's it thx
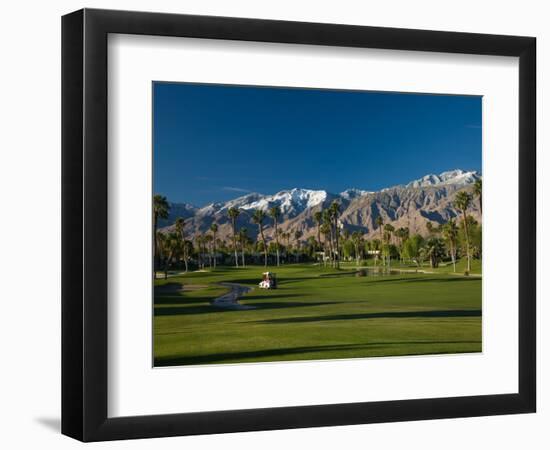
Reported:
(318, 217)
(357, 240)
(477, 193)
(462, 202)
(327, 221)
(180, 223)
(214, 229)
(297, 235)
(200, 255)
(326, 230)
(160, 240)
(375, 247)
(434, 250)
(258, 218)
(233, 213)
(450, 234)
(275, 212)
(388, 232)
(335, 213)
(379, 222)
(161, 208)
(402, 234)
(172, 248)
(285, 235)
(209, 242)
(243, 240)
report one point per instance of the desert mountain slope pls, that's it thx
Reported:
(411, 205)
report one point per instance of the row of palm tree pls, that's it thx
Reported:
(389, 241)
(208, 249)
(328, 225)
(258, 218)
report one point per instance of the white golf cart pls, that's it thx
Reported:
(269, 281)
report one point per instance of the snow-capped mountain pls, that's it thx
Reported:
(429, 198)
(290, 202)
(457, 176)
(350, 194)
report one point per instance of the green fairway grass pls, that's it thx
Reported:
(315, 313)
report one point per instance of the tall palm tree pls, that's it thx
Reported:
(357, 240)
(477, 193)
(243, 240)
(297, 235)
(200, 250)
(327, 231)
(335, 214)
(233, 213)
(402, 234)
(208, 247)
(173, 246)
(388, 233)
(180, 223)
(450, 234)
(328, 223)
(161, 208)
(258, 218)
(285, 235)
(462, 202)
(379, 222)
(275, 212)
(214, 229)
(160, 240)
(376, 247)
(318, 217)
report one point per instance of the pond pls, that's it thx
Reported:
(366, 272)
(376, 272)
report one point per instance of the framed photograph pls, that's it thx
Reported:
(273, 224)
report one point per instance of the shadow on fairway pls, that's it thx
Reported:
(178, 300)
(381, 315)
(205, 309)
(281, 352)
(169, 288)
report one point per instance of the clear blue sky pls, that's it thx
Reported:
(217, 142)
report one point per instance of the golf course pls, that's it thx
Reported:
(293, 224)
(315, 313)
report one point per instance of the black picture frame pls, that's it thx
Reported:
(84, 224)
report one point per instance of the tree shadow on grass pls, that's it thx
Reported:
(168, 288)
(273, 354)
(179, 300)
(380, 315)
(267, 296)
(205, 309)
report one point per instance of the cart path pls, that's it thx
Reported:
(229, 300)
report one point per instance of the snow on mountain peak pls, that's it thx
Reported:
(290, 202)
(350, 194)
(457, 176)
(293, 201)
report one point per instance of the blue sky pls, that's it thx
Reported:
(217, 142)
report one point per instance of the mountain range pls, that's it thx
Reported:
(411, 205)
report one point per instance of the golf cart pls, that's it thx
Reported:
(269, 281)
